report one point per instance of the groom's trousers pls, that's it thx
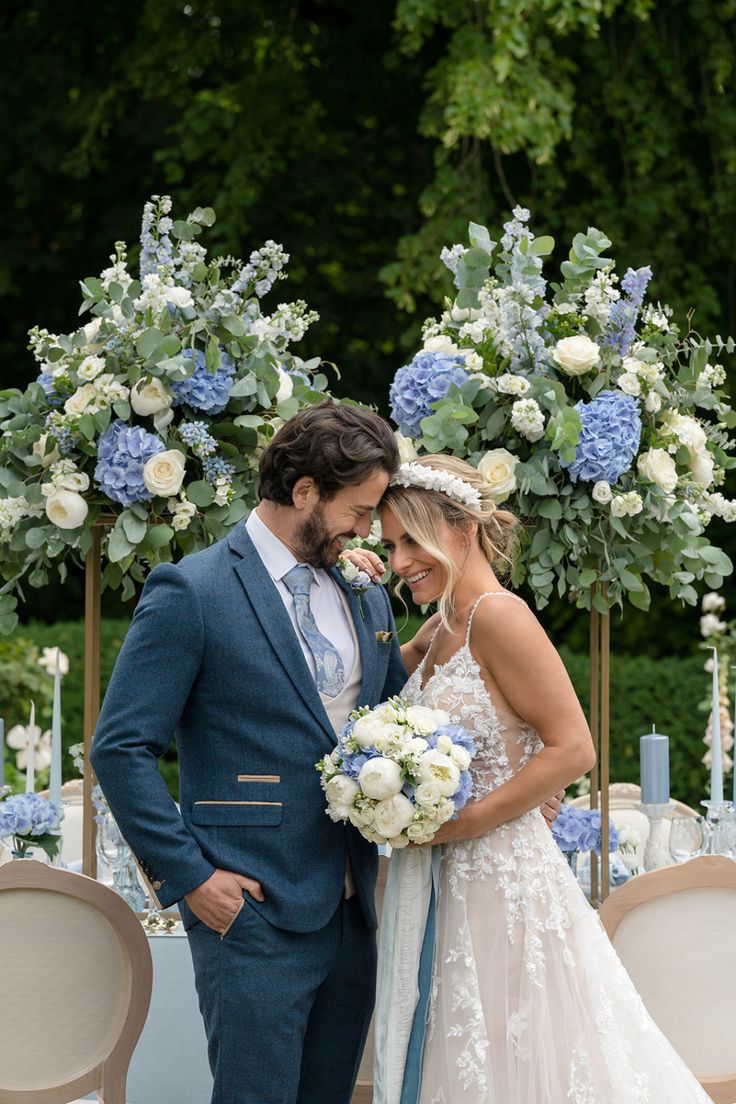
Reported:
(286, 1013)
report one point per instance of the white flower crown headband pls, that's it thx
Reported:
(432, 479)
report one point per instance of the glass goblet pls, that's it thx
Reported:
(688, 838)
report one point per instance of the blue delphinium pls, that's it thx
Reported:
(620, 331)
(609, 438)
(580, 830)
(196, 435)
(156, 225)
(121, 456)
(216, 467)
(203, 390)
(426, 380)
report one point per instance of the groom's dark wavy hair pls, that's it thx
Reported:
(338, 446)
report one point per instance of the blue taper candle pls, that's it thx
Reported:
(2, 752)
(654, 762)
(716, 750)
(55, 775)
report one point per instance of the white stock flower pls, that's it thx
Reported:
(90, 368)
(407, 448)
(341, 791)
(629, 384)
(576, 355)
(441, 344)
(393, 815)
(179, 297)
(66, 509)
(163, 473)
(286, 387)
(48, 661)
(602, 492)
(497, 466)
(658, 467)
(509, 384)
(712, 602)
(427, 794)
(710, 625)
(39, 450)
(440, 770)
(380, 778)
(424, 721)
(527, 419)
(150, 397)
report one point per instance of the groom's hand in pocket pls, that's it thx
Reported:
(218, 900)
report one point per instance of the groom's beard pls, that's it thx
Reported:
(314, 543)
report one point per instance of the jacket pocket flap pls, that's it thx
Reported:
(237, 812)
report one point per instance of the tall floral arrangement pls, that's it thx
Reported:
(152, 413)
(585, 408)
(719, 633)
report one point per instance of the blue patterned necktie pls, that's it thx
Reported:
(330, 676)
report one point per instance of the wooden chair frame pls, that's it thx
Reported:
(627, 795)
(107, 1073)
(704, 872)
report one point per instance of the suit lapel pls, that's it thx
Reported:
(276, 624)
(366, 634)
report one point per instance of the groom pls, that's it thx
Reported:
(253, 652)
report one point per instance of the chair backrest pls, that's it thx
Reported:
(76, 981)
(673, 929)
(623, 798)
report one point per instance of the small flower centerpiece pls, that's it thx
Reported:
(31, 821)
(398, 773)
(153, 413)
(578, 830)
(604, 426)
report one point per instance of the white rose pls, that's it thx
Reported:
(460, 757)
(90, 367)
(602, 492)
(380, 778)
(509, 384)
(497, 466)
(394, 815)
(473, 360)
(179, 297)
(424, 721)
(286, 387)
(39, 450)
(687, 430)
(163, 474)
(74, 481)
(427, 794)
(618, 507)
(368, 729)
(658, 467)
(629, 384)
(150, 397)
(576, 355)
(407, 449)
(440, 770)
(396, 843)
(66, 509)
(82, 399)
(653, 402)
(701, 465)
(341, 791)
(90, 332)
(417, 833)
(441, 344)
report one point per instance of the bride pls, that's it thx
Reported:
(496, 982)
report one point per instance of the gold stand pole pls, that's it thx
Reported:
(600, 729)
(92, 618)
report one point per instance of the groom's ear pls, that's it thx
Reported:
(304, 492)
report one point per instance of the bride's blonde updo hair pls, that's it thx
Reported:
(421, 512)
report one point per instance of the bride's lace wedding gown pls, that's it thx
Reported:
(529, 1002)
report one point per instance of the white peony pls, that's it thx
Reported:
(602, 492)
(163, 473)
(90, 368)
(39, 450)
(427, 794)
(497, 466)
(393, 815)
(407, 448)
(576, 355)
(341, 791)
(687, 430)
(368, 729)
(629, 384)
(286, 387)
(380, 778)
(48, 661)
(658, 467)
(150, 397)
(440, 770)
(441, 344)
(509, 384)
(424, 721)
(179, 297)
(66, 509)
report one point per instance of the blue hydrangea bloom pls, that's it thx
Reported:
(28, 814)
(580, 830)
(609, 438)
(122, 453)
(426, 380)
(464, 791)
(203, 390)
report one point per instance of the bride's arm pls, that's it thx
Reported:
(510, 643)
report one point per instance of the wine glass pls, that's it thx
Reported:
(688, 838)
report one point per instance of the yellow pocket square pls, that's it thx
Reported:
(384, 637)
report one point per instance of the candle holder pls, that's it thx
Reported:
(657, 850)
(721, 822)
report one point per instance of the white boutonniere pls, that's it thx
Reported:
(358, 581)
(384, 637)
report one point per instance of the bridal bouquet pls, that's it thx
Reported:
(586, 408)
(152, 413)
(399, 771)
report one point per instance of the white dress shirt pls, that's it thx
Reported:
(324, 598)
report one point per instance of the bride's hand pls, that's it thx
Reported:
(465, 825)
(367, 561)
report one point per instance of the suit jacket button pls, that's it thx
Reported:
(156, 885)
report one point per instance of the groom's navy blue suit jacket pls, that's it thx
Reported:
(211, 657)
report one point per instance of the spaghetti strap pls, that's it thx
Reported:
(488, 594)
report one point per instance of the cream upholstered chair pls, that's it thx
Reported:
(76, 981)
(623, 798)
(674, 932)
